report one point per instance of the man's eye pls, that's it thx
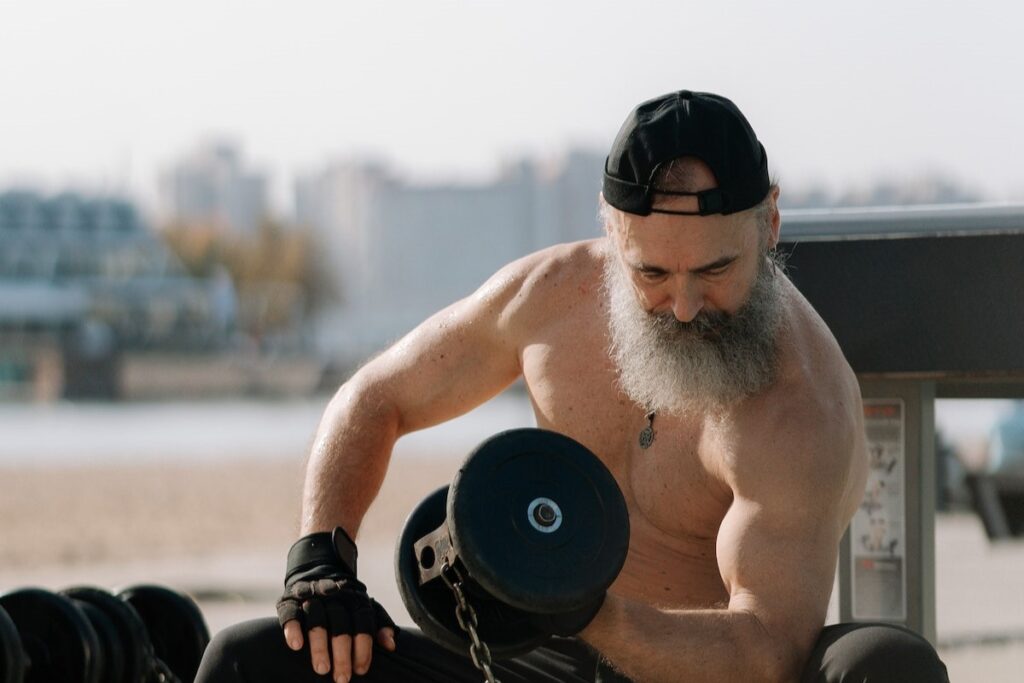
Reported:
(717, 271)
(651, 275)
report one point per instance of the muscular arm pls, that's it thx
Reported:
(457, 359)
(454, 361)
(777, 547)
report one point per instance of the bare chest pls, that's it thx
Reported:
(673, 486)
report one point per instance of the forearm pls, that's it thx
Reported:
(651, 645)
(349, 458)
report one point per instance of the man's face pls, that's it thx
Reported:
(693, 308)
(693, 268)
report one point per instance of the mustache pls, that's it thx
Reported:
(707, 325)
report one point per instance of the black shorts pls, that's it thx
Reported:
(255, 651)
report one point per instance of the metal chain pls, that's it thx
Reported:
(466, 616)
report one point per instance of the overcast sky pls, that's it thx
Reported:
(104, 94)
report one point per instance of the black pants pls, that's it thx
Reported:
(255, 651)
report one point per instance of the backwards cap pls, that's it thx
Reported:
(685, 123)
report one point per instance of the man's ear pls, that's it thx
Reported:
(604, 211)
(776, 219)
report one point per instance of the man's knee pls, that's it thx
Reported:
(873, 653)
(237, 647)
(255, 651)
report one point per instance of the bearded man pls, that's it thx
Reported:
(674, 348)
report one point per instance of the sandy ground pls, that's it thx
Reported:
(220, 532)
(217, 531)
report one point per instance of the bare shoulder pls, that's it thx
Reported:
(467, 352)
(804, 438)
(546, 286)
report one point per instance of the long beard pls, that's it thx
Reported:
(704, 365)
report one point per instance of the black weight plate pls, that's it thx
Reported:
(12, 659)
(56, 635)
(554, 569)
(506, 631)
(108, 655)
(175, 625)
(133, 652)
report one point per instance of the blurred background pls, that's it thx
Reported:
(212, 212)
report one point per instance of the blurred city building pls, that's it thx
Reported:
(212, 187)
(907, 191)
(400, 251)
(368, 256)
(82, 280)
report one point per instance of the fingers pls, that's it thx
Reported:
(386, 638)
(344, 654)
(318, 650)
(342, 647)
(350, 656)
(362, 653)
(293, 634)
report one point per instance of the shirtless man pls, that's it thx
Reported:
(678, 319)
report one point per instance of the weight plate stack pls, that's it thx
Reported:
(130, 653)
(12, 659)
(539, 521)
(538, 527)
(57, 637)
(506, 630)
(175, 626)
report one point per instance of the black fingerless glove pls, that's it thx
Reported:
(321, 589)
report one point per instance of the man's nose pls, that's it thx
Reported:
(687, 301)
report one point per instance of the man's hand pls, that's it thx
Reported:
(324, 599)
(568, 623)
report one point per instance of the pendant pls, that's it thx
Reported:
(647, 433)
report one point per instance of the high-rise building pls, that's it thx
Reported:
(213, 187)
(400, 251)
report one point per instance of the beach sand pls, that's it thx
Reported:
(220, 532)
(82, 514)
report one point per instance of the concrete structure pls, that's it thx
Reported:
(213, 187)
(400, 251)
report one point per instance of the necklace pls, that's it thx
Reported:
(647, 433)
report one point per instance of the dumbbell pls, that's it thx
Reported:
(87, 635)
(174, 624)
(123, 643)
(58, 641)
(12, 656)
(533, 524)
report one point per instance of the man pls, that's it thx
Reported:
(676, 350)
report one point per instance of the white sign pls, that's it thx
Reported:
(878, 529)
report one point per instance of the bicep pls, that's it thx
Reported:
(779, 565)
(778, 544)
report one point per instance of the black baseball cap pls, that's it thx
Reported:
(685, 123)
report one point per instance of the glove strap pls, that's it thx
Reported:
(322, 548)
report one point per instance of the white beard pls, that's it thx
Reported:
(698, 367)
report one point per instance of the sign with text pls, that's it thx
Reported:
(878, 528)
